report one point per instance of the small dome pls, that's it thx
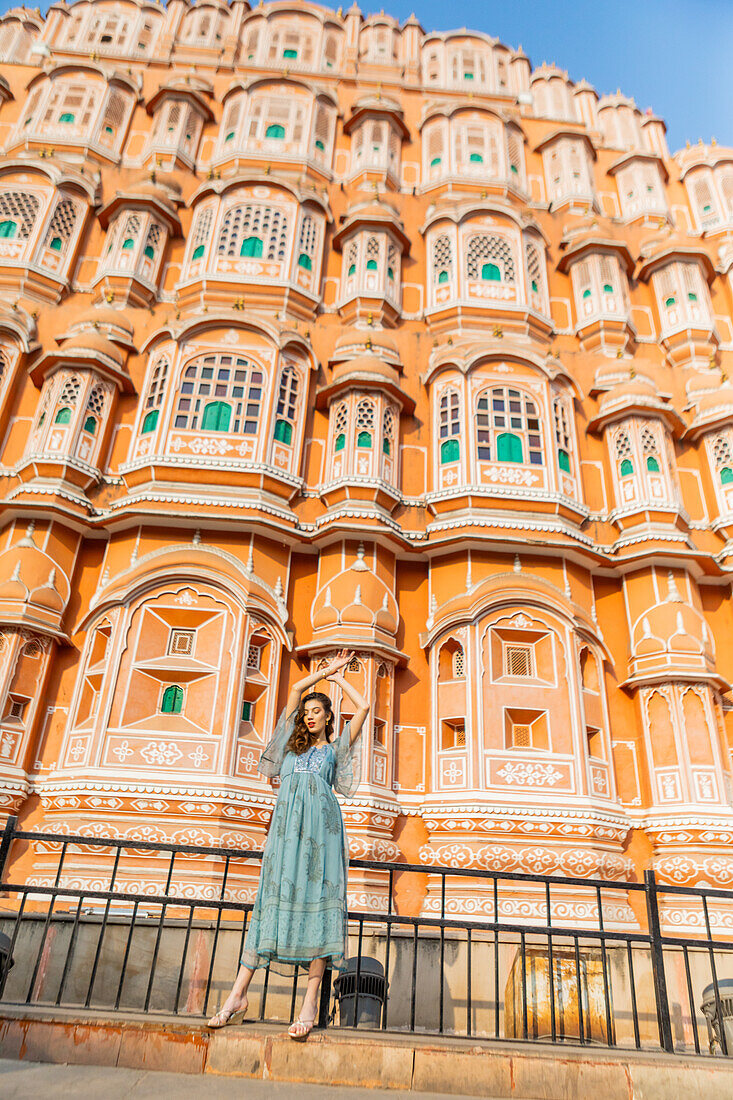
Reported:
(95, 342)
(356, 599)
(33, 577)
(673, 630)
(355, 343)
(369, 365)
(112, 321)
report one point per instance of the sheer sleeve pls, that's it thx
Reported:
(273, 753)
(348, 763)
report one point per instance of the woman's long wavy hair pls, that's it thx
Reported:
(302, 738)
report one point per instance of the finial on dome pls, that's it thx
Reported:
(250, 562)
(196, 540)
(433, 604)
(517, 564)
(279, 589)
(357, 594)
(673, 595)
(16, 572)
(27, 539)
(469, 579)
(360, 566)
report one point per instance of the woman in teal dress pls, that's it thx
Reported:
(299, 916)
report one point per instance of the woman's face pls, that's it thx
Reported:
(314, 715)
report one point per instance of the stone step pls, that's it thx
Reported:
(376, 1060)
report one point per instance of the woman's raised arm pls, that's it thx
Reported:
(362, 707)
(301, 686)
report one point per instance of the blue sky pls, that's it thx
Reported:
(675, 56)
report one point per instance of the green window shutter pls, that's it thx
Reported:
(442, 277)
(476, 158)
(198, 252)
(251, 247)
(172, 701)
(491, 273)
(652, 465)
(371, 265)
(8, 229)
(627, 467)
(150, 252)
(246, 711)
(390, 273)
(229, 137)
(283, 431)
(726, 475)
(514, 169)
(671, 301)
(364, 439)
(450, 451)
(90, 425)
(150, 422)
(63, 416)
(217, 415)
(128, 244)
(352, 269)
(305, 261)
(691, 297)
(66, 117)
(509, 448)
(587, 292)
(320, 145)
(607, 288)
(340, 442)
(468, 76)
(290, 54)
(108, 130)
(534, 286)
(563, 461)
(386, 446)
(55, 244)
(275, 130)
(435, 162)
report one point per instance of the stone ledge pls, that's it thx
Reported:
(420, 1063)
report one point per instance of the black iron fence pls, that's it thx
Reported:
(131, 925)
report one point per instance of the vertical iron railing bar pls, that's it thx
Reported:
(219, 911)
(496, 957)
(123, 971)
(51, 903)
(263, 998)
(414, 976)
(294, 994)
(656, 948)
(388, 945)
(5, 842)
(610, 1038)
(469, 1023)
(184, 953)
(714, 971)
(102, 930)
(69, 950)
(442, 953)
(550, 963)
(16, 928)
(360, 944)
(691, 998)
(632, 987)
(156, 948)
(579, 984)
(525, 1020)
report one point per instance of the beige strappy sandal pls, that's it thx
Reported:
(305, 1026)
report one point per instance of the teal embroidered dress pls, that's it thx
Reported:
(299, 913)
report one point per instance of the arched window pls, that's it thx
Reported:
(233, 382)
(254, 230)
(275, 130)
(18, 213)
(154, 398)
(388, 431)
(563, 434)
(172, 700)
(624, 453)
(516, 427)
(722, 448)
(95, 409)
(307, 239)
(650, 450)
(61, 226)
(63, 416)
(340, 426)
(534, 273)
(450, 427)
(287, 405)
(67, 401)
(365, 424)
(202, 230)
(442, 260)
(491, 258)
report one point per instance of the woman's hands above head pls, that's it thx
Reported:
(340, 661)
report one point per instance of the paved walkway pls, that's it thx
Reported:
(31, 1080)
